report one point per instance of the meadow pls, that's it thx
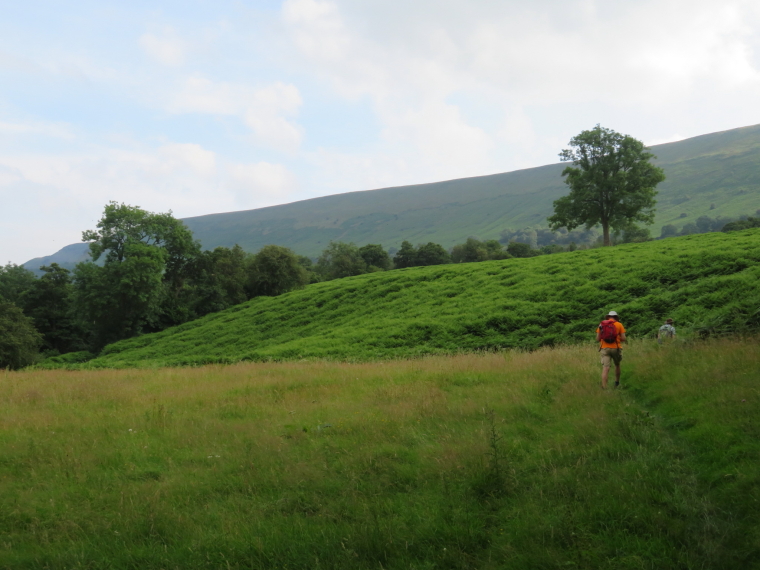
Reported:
(497, 460)
(707, 283)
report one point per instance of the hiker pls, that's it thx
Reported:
(666, 331)
(610, 333)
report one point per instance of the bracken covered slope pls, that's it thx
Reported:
(707, 283)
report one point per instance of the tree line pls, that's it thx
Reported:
(705, 224)
(148, 273)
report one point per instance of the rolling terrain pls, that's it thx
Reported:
(716, 174)
(707, 283)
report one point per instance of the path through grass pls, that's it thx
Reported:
(509, 460)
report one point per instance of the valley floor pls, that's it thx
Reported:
(497, 460)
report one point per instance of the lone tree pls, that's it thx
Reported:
(612, 183)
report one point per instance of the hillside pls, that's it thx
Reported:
(718, 169)
(500, 461)
(66, 257)
(707, 283)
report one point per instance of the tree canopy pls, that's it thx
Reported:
(275, 270)
(742, 225)
(475, 250)
(612, 183)
(339, 260)
(19, 340)
(375, 257)
(48, 303)
(14, 281)
(145, 260)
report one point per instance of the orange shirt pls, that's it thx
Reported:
(616, 344)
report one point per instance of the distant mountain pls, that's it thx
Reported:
(67, 257)
(716, 175)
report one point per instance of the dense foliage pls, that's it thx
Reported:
(146, 273)
(421, 256)
(707, 283)
(506, 461)
(275, 270)
(19, 340)
(742, 225)
(14, 282)
(544, 239)
(48, 302)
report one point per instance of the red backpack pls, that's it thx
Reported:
(608, 331)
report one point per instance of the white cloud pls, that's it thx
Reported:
(268, 111)
(613, 59)
(440, 137)
(53, 130)
(201, 161)
(167, 49)
(251, 182)
(9, 175)
(175, 176)
(199, 94)
(266, 115)
(318, 27)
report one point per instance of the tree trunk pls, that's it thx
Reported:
(606, 231)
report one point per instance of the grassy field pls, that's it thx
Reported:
(707, 283)
(494, 460)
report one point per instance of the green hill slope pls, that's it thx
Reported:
(707, 283)
(719, 171)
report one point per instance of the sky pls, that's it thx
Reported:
(203, 106)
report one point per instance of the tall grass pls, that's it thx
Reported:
(495, 460)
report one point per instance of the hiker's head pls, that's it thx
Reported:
(613, 315)
(668, 321)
